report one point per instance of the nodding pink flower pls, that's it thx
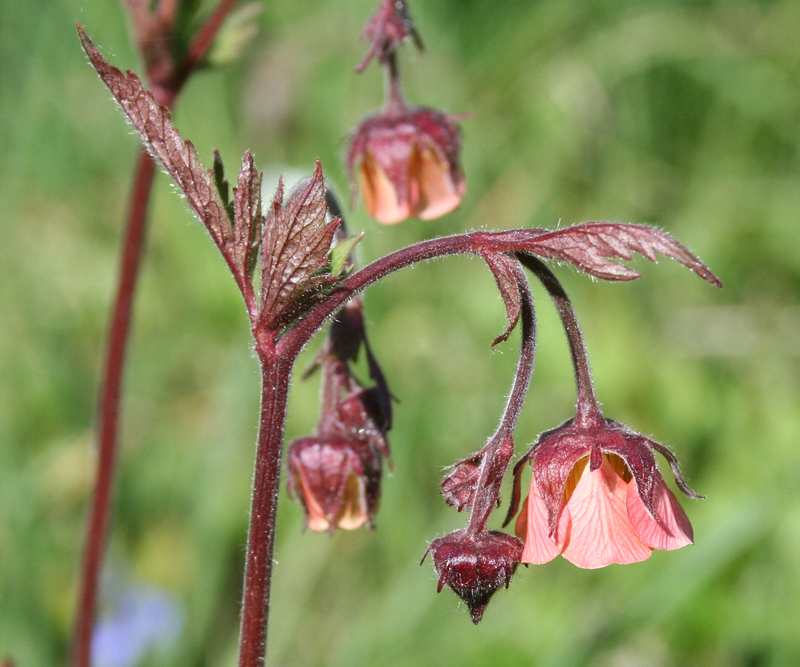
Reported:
(408, 164)
(337, 480)
(597, 498)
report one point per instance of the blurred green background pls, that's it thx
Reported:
(681, 114)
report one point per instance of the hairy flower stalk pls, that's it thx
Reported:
(167, 79)
(475, 562)
(286, 252)
(596, 495)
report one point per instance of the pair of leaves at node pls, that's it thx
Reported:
(294, 239)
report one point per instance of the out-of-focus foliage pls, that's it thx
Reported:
(682, 114)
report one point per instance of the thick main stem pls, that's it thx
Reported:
(111, 392)
(261, 534)
(588, 410)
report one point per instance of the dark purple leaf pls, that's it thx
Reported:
(247, 216)
(460, 482)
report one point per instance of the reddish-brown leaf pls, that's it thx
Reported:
(179, 158)
(247, 215)
(593, 247)
(502, 267)
(295, 249)
(460, 482)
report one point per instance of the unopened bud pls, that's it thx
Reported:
(337, 480)
(408, 164)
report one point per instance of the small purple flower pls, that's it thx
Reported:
(144, 619)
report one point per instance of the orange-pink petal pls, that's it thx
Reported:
(316, 518)
(600, 532)
(380, 196)
(354, 504)
(540, 547)
(673, 529)
(438, 193)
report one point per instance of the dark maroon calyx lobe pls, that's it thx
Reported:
(474, 566)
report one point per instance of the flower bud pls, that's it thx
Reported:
(475, 565)
(408, 164)
(337, 480)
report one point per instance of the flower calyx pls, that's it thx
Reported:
(475, 565)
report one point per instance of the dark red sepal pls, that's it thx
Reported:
(475, 565)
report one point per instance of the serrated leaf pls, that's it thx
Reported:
(502, 266)
(178, 157)
(592, 247)
(294, 250)
(341, 252)
(248, 218)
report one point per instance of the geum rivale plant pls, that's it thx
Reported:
(596, 495)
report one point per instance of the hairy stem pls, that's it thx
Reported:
(474, 243)
(500, 448)
(113, 370)
(261, 534)
(588, 410)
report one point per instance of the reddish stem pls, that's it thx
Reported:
(474, 243)
(111, 387)
(498, 451)
(588, 410)
(198, 49)
(394, 101)
(109, 407)
(261, 534)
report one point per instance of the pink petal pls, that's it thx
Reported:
(673, 531)
(532, 523)
(600, 532)
(438, 193)
(380, 195)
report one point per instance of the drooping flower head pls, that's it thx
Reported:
(337, 472)
(407, 157)
(408, 164)
(337, 480)
(597, 498)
